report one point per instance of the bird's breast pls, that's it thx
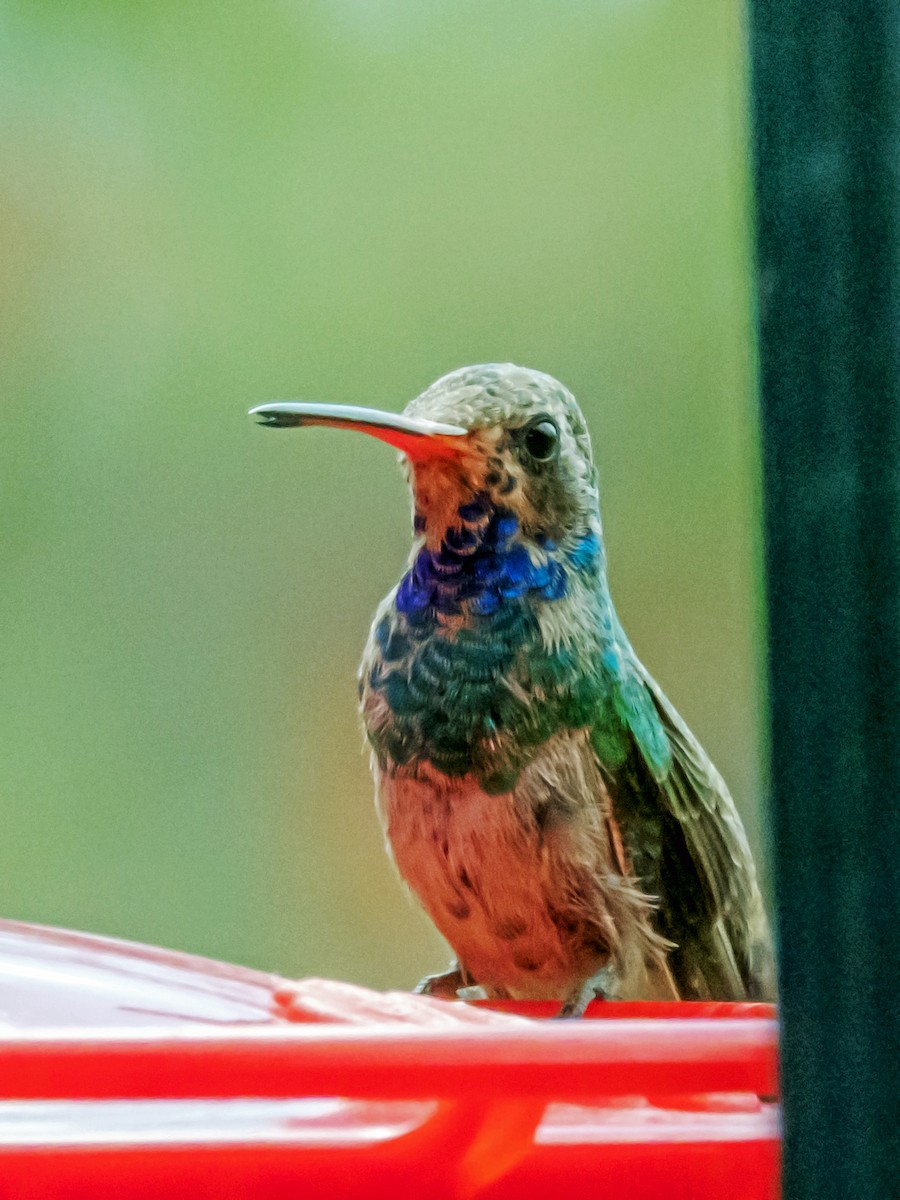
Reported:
(498, 889)
(459, 670)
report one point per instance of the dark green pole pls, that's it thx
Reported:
(826, 94)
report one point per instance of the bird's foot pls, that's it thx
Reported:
(448, 985)
(576, 1003)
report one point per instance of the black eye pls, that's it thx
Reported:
(542, 439)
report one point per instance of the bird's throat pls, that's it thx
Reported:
(481, 563)
(458, 672)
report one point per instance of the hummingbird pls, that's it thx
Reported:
(551, 811)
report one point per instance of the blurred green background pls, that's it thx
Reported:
(206, 206)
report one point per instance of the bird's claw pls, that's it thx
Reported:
(578, 1001)
(445, 985)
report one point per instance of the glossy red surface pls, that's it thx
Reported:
(54, 977)
(136, 1072)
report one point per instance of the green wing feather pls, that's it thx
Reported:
(688, 848)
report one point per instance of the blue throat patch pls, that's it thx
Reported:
(483, 564)
(445, 687)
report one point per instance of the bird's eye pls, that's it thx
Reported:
(542, 440)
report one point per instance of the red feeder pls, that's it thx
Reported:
(129, 1071)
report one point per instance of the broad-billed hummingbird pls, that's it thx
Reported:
(552, 812)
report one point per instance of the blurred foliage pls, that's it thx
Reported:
(205, 206)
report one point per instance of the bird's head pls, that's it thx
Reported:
(498, 434)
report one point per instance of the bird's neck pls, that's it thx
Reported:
(482, 562)
(491, 643)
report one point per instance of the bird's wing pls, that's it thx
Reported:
(688, 847)
(594, 897)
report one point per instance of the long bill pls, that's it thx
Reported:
(415, 436)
